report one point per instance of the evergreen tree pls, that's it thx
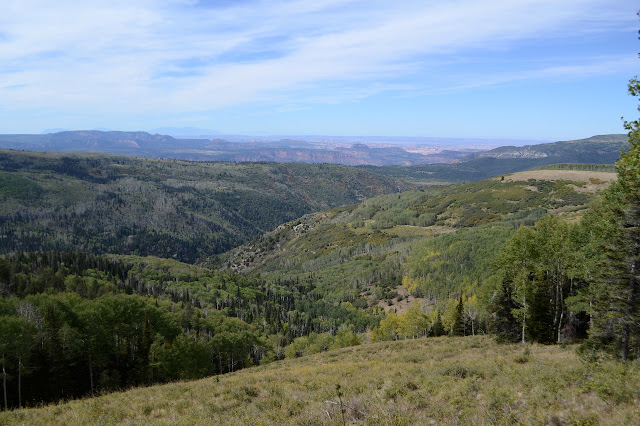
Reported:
(437, 329)
(17, 336)
(459, 328)
(517, 261)
(540, 327)
(628, 168)
(614, 296)
(617, 311)
(505, 324)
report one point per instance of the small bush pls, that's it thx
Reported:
(524, 358)
(461, 372)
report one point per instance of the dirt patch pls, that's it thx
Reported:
(405, 302)
(589, 187)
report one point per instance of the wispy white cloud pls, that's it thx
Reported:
(154, 55)
(589, 67)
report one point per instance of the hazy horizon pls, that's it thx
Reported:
(528, 70)
(258, 137)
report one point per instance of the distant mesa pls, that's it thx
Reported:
(55, 130)
(177, 132)
(195, 144)
(360, 147)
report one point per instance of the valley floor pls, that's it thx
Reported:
(469, 380)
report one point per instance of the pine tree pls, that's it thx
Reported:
(437, 329)
(506, 325)
(517, 259)
(623, 274)
(540, 328)
(617, 307)
(628, 260)
(459, 328)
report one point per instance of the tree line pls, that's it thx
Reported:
(75, 324)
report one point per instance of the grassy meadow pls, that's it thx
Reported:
(470, 380)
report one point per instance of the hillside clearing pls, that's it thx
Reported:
(597, 180)
(403, 301)
(468, 380)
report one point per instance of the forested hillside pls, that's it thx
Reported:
(437, 242)
(73, 324)
(168, 208)
(464, 256)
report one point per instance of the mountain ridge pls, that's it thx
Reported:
(169, 208)
(353, 153)
(143, 144)
(603, 149)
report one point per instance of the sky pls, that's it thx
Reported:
(519, 69)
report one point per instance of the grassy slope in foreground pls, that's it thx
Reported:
(469, 380)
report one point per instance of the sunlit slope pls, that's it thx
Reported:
(469, 380)
(437, 241)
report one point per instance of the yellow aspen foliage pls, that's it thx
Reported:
(413, 323)
(472, 312)
(449, 314)
(409, 283)
(388, 328)
(432, 316)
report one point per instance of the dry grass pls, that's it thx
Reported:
(409, 231)
(429, 381)
(595, 181)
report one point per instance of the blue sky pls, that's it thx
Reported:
(524, 69)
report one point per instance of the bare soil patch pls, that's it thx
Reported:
(403, 302)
